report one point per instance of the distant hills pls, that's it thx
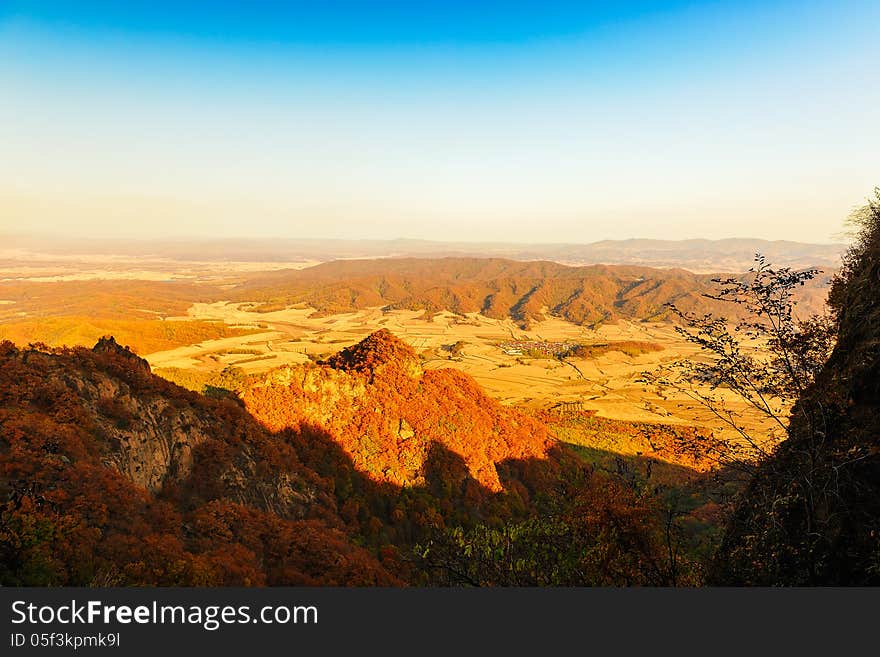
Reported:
(76, 312)
(695, 255)
(698, 255)
(498, 288)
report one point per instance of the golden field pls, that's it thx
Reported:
(610, 383)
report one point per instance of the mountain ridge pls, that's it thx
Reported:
(112, 476)
(726, 254)
(496, 287)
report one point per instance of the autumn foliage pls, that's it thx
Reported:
(145, 336)
(387, 413)
(495, 287)
(337, 473)
(232, 506)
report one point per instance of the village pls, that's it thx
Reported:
(537, 348)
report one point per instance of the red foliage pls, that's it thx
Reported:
(114, 476)
(232, 515)
(374, 401)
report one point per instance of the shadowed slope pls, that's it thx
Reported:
(811, 515)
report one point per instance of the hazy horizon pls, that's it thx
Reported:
(842, 240)
(514, 122)
(733, 254)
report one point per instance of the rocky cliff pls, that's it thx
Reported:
(111, 475)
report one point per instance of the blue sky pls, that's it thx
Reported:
(524, 121)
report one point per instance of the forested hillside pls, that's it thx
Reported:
(361, 471)
(497, 288)
(113, 476)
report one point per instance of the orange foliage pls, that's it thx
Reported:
(145, 336)
(245, 511)
(375, 401)
(496, 287)
(114, 476)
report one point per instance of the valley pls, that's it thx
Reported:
(395, 402)
(610, 383)
(212, 323)
(429, 295)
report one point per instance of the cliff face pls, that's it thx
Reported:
(375, 401)
(811, 516)
(113, 475)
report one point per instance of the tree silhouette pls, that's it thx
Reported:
(766, 359)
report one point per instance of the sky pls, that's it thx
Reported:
(479, 121)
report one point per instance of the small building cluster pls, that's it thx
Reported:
(536, 348)
(568, 408)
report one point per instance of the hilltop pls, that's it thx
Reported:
(375, 401)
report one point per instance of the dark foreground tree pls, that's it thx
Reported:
(811, 513)
(600, 532)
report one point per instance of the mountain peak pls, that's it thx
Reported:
(108, 345)
(376, 403)
(377, 350)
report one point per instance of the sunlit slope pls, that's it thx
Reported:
(494, 287)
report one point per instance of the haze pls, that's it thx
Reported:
(529, 122)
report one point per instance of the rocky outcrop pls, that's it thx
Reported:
(109, 474)
(108, 345)
(152, 438)
(377, 403)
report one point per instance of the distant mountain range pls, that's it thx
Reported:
(496, 287)
(697, 255)
(499, 288)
